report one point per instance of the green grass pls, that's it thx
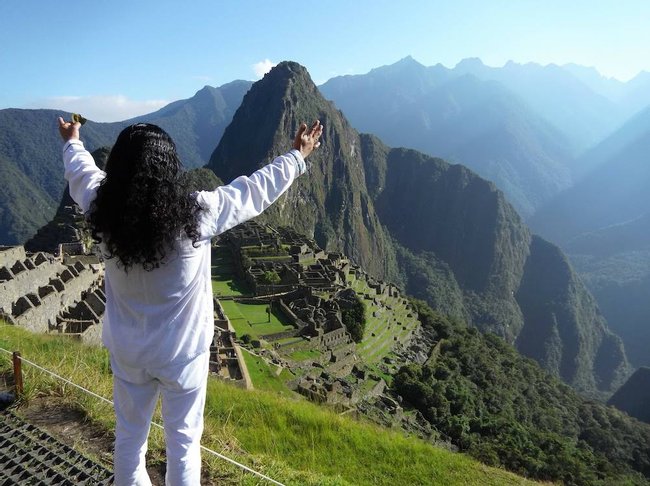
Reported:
(265, 377)
(228, 287)
(295, 442)
(305, 354)
(224, 282)
(253, 319)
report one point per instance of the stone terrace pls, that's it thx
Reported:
(40, 293)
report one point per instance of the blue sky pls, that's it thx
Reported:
(114, 59)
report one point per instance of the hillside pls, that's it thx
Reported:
(197, 123)
(634, 396)
(439, 230)
(611, 146)
(31, 146)
(476, 392)
(613, 193)
(295, 442)
(465, 119)
(30, 142)
(22, 206)
(67, 225)
(504, 409)
(620, 281)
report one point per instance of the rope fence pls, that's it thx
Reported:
(106, 400)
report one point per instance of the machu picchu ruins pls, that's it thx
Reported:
(308, 288)
(298, 291)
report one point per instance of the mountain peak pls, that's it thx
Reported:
(287, 70)
(334, 198)
(405, 65)
(270, 113)
(470, 63)
(407, 61)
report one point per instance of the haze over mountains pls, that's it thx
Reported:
(520, 126)
(603, 222)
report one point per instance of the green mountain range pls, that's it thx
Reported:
(443, 233)
(439, 230)
(451, 237)
(30, 149)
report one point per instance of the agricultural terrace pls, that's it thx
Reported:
(386, 324)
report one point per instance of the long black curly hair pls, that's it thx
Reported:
(143, 205)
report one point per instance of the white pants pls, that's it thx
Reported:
(135, 393)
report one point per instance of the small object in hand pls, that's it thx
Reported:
(77, 118)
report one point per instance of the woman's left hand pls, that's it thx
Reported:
(69, 130)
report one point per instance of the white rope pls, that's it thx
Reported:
(221, 456)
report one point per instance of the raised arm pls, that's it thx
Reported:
(247, 197)
(80, 171)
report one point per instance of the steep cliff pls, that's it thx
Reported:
(331, 203)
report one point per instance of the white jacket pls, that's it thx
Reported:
(165, 315)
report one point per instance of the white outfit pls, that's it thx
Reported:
(158, 323)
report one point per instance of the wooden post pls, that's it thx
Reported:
(18, 374)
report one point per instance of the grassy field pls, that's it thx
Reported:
(305, 354)
(265, 377)
(223, 281)
(253, 319)
(292, 441)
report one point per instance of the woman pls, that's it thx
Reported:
(158, 323)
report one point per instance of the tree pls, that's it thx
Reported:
(354, 319)
(271, 277)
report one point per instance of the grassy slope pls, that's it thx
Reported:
(292, 441)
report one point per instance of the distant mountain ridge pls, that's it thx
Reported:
(344, 205)
(519, 125)
(585, 116)
(419, 221)
(463, 118)
(30, 146)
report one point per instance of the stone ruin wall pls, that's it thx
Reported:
(24, 275)
(37, 290)
(10, 254)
